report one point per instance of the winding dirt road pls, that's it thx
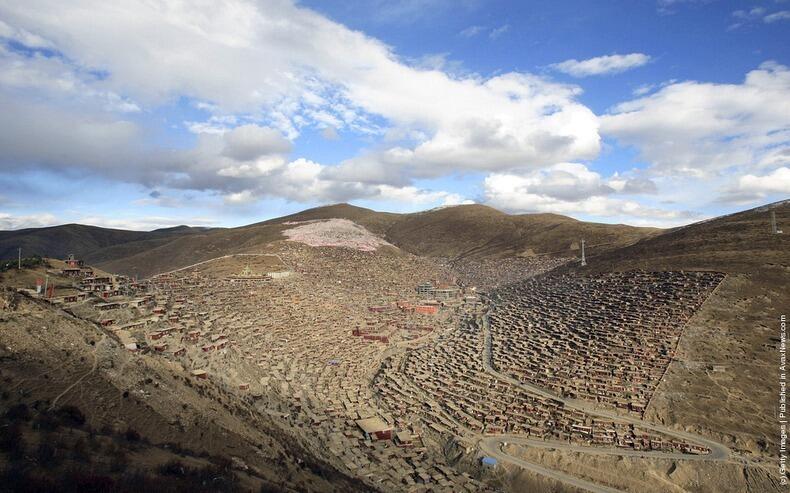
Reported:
(494, 445)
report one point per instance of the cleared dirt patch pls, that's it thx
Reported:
(335, 233)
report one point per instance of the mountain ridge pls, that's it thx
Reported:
(456, 232)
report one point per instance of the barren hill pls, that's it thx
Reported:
(463, 231)
(101, 404)
(740, 242)
(481, 231)
(90, 242)
(473, 231)
(467, 231)
(726, 357)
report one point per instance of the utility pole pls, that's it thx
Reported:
(46, 284)
(774, 228)
(19, 258)
(584, 259)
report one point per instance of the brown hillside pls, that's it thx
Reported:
(469, 231)
(89, 242)
(138, 408)
(737, 329)
(736, 243)
(480, 231)
(377, 222)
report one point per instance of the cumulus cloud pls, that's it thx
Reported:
(303, 180)
(517, 194)
(248, 142)
(571, 188)
(749, 188)
(697, 128)
(776, 182)
(317, 72)
(260, 72)
(607, 64)
(74, 139)
(632, 185)
(563, 181)
(240, 198)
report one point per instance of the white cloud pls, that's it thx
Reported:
(413, 195)
(145, 223)
(249, 142)
(497, 32)
(751, 14)
(643, 89)
(23, 36)
(330, 133)
(699, 129)
(455, 199)
(563, 181)
(316, 72)
(53, 78)
(10, 221)
(631, 184)
(607, 64)
(240, 198)
(668, 7)
(782, 15)
(472, 31)
(755, 15)
(493, 33)
(263, 71)
(571, 188)
(776, 182)
(750, 188)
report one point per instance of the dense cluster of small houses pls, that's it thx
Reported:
(312, 333)
(446, 384)
(373, 365)
(610, 339)
(606, 338)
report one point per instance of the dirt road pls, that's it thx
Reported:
(493, 445)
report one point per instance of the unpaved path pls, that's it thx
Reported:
(493, 445)
(83, 377)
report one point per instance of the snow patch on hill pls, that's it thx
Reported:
(335, 233)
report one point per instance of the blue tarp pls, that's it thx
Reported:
(488, 461)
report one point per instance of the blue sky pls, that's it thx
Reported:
(142, 116)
